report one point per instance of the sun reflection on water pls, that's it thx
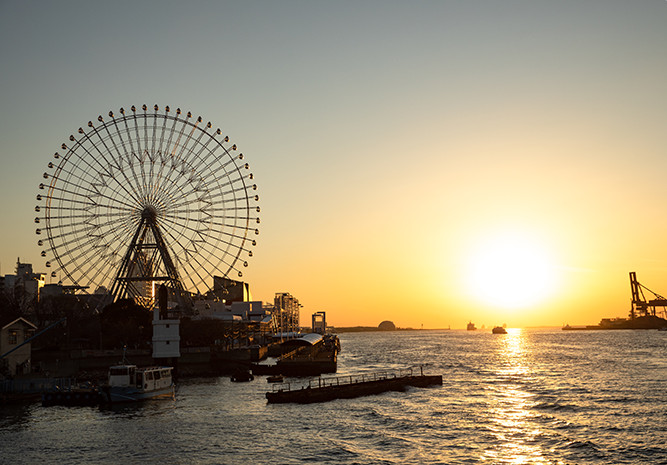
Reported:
(509, 409)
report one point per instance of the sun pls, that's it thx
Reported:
(510, 270)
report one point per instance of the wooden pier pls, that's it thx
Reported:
(347, 387)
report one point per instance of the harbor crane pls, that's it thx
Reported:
(641, 306)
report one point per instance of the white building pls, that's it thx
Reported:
(166, 337)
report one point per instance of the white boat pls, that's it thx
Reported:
(127, 383)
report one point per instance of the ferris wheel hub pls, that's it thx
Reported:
(149, 214)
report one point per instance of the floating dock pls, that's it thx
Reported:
(347, 387)
(74, 397)
(309, 355)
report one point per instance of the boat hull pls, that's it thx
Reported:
(116, 394)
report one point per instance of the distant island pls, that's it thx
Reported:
(384, 326)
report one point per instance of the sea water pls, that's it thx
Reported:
(530, 396)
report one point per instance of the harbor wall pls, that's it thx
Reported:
(89, 364)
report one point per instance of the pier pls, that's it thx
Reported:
(347, 387)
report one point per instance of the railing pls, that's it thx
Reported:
(348, 380)
(291, 354)
(36, 385)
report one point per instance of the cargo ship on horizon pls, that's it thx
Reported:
(641, 322)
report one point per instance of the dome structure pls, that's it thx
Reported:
(387, 326)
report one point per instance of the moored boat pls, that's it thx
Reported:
(241, 376)
(128, 383)
(275, 379)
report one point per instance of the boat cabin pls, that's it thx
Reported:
(147, 379)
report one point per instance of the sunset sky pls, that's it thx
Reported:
(427, 162)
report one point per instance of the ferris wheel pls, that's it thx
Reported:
(147, 197)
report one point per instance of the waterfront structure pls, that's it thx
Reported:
(347, 387)
(15, 354)
(387, 326)
(166, 337)
(641, 306)
(287, 309)
(319, 322)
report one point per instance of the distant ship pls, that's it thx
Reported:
(471, 326)
(641, 322)
(499, 330)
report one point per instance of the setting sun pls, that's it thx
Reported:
(510, 270)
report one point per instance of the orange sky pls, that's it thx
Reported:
(390, 142)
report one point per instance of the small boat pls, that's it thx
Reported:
(471, 326)
(275, 379)
(241, 376)
(128, 383)
(499, 330)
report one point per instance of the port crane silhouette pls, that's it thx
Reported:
(640, 305)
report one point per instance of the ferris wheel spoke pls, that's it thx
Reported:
(168, 156)
(74, 255)
(175, 157)
(135, 155)
(231, 189)
(106, 176)
(224, 231)
(201, 242)
(88, 216)
(115, 163)
(75, 202)
(231, 178)
(146, 153)
(199, 159)
(139, 153)
(154, 154)
(244, 200)
(156, 191)
(101, 266)
(86, 192)
(76, 230)
(192, 270)
(86, 250)
(91, 197)
(179, 188)
(110, 210)
(201, 263)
